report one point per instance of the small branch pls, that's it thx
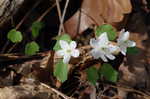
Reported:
(5, 46)
(58, 9)
(56, 91)
(28, 13)
(61, 19)
(12, 47)
(59, 13)
(63, 16)
(46, 12)
(130, 90)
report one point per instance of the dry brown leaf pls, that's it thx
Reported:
(28, 91)
(126, 5)
(97, 12)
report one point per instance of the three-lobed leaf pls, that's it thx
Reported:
(36, 27)
(110, 30)
(92, 75)
(31, 48)
(65, 37)
(61, 71)
(14, 36)
(108, 72)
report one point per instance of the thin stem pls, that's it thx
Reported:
(130, 90)
(46, 12)
(59, 13)
(12, 47)
(56, 91)
(61, 20)
(63, 16)
(5, 46)
(58, 9)
(28, 13)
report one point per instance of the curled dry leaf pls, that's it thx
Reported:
(97, 12)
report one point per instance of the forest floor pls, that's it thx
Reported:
(31, 77)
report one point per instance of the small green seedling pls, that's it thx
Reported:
(14, 36)
(31, 48)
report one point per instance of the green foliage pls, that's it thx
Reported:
(65, 37)
(61, 71)
(36, 27)
(92, 75)
(108, 72)
(111, 32)
(132, 50)
(14, 36)
(31, 48)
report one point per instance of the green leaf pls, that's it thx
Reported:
(61, 71)
(111, 32)
(36, 27)
(31, 48)
(14, 36)
(132, 50)
(65, 37)
(92, 75)
(108, 72)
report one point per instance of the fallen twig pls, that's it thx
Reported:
(56, 91)
(62, 18)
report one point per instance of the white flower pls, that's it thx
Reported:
(102, 48)
(124, 42)
(67, 50)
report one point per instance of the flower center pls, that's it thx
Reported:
(126, 41)
(103, 49)
(68, 51)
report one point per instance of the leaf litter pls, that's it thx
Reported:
(32, 75)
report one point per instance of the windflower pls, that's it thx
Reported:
(67, 50)
(102, 48)
(124, 42)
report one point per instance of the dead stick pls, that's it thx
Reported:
(28, 13)
(130, 90)
(59, 13)
(63, 16)
(56, 91)
(46, 12)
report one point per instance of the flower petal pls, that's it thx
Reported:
(60, 52)
(113, 48)
(110, 56)
(123, 50)
(93, 42)
(124, 36)
(103, 39)
(66, 58)
(104, 58)
(95, 53)
(75, 53)
(131, 43)
(64, 44)
(73, 44)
